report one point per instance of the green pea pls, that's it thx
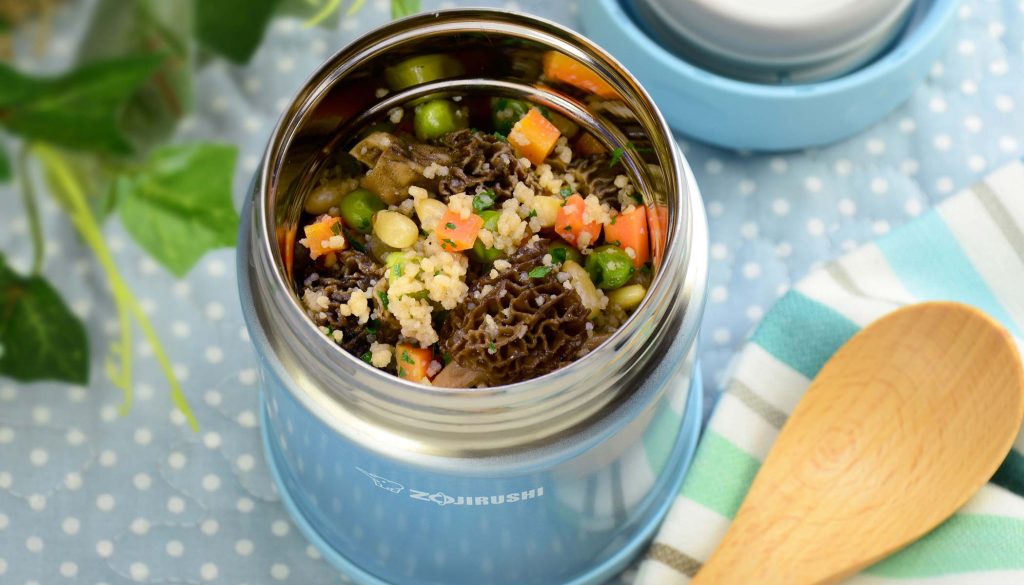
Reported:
(482, 253)
(609, 267)
(357, 209)
(436, 118)
(561, 251)
(506, 112)
(422, 69)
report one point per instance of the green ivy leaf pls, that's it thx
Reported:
(40, 339)
(233, 28)
(403, 8)
(178, 206)
(81, 109)
(5, 166)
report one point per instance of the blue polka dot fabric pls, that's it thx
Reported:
(90, 496)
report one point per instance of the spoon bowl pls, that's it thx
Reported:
(898, 430)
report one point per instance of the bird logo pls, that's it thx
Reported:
(383, 482)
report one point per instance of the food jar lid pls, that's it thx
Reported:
(782, 40)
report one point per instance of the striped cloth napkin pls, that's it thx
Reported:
(969, 249)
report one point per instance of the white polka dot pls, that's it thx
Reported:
(5, 479)
(180, 329)
(104, 548)
(247, 419)
(37, 502)
(212, 440)
(74, 437)
(209, 527)
(747, 187)
(6, 435)
(3, 567)
(751, 270)
(245, 462)
(140, 526)
(143, 436)
(212, 397)
(177, 418)
(778, 165)
(913, 207)
(214, 355)
(314, 554)
(279, 571)
(174, 548)
(748, 230)
(285, 64)
(754, 312)
(1008, 144)
(181, 289)
(211, 483)
(875, 146)
(847, 207)
(812, 184)
(108, 458)
(8, 393)
(1004, 103)
(243, 334)
(108, 413)
(4, 521)
(244, 547)
(719, 251)
(938, 105)
(720, 336)
(715, 208)
(879, 186)
(105, 502)
(68, 569)
(996, 29)
(139, 571)
(880, 227)
(783, 249)
(70, 525)
(999, 67)
(247, 376)
(976, 163)
(843, 167)
(142, 481)
(973, 123)
(815, 227)
(318, 47)
(181, 372)
(719, 294)
(937, 70)
(968, 87)
(713, 166)
(34, 544)
(214, 311)
(245, 505)
(944, 184)
(909, 167)
(208, 571)
(780, 207)
(219, 104)
(279, 528)
(41, 415)
(73, 481)
(175, 505)
(965, 47)
(177, 460)
(942, 142)
(216, 268)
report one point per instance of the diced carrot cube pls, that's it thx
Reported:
(534, 136)
(570, 227)
(413, 362)
(456, 234)
(323, 237)
(564, 68)
(629, 232)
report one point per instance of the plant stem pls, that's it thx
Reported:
(32, 211)
(81, 215)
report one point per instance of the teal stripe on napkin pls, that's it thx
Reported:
(932, 266)
(822, 329)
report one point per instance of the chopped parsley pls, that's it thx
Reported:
(558, 255)
(407, 358)
(401, 372)
(450, 225)
(373, 326)
(533, 213)
(491, 348)
(397, 269)
(500, 136)
(447, 242)
(483, 201)
(616, 156)
(636, 197)
(541, 271)
(447, 358)
(383, 296)
(567, 228)
(565, 192)
(336, 228)
(367, 357)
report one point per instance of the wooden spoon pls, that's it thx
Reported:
(899, 429)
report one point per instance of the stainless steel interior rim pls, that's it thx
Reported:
(431, 409)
